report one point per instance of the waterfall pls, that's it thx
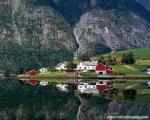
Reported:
(76, 53)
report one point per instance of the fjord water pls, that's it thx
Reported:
(21, 101)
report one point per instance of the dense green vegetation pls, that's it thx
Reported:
(32, 36)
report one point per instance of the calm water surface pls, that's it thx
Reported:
(21, 101)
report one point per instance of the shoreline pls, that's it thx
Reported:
(126, 77)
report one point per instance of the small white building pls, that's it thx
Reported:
(148, 71)
(62, 87)
(62, 66)
(43, 70)
(87, 65)
(85, 87)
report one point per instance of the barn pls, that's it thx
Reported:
(104, 69)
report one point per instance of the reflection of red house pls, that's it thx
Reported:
(32, 73)
(31, 82)
(104, 85)
(103, 69)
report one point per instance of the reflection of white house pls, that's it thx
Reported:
(43, 70)
(87, 65)
(148, 71)
(62, 66)
(43, 83)
(86, 88)
(62, 87)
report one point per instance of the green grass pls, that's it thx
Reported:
(142, 53)
(53, 74)
(88, 74)
(130, 69)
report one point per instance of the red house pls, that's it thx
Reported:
(104, 85)
(104, 69)
(32, 73)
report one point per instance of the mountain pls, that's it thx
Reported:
(101, 26)
(33, 35)
(42, 33)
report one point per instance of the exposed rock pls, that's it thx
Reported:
(112, 28)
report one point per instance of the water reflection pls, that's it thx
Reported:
(29, 100)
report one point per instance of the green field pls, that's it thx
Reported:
(142, 57)
(53, 74)
(130, 69)
(142, 53)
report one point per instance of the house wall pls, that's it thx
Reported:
(83, 67)
(62, 67)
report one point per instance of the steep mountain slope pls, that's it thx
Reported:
(101, 26)
(41, 33)
(115, 29)
(33, 35)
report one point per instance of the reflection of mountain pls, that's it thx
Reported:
(21, 101)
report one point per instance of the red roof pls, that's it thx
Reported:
(32, 73)
(100, 67)
(109, 72)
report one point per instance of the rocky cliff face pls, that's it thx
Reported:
(107, 25)
(114, 29)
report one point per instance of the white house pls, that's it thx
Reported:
(86, 88)
(148, 71)
(43, 70)
(87, 65)
(62, 87)
(62, 66)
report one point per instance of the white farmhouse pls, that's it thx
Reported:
(62, 66)
(43, 70)
(87, 65)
